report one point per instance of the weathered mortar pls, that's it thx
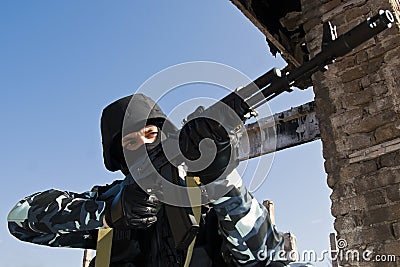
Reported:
(358, 108)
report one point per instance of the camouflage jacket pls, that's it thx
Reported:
(242, 229)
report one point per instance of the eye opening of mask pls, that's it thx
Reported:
(134, 140)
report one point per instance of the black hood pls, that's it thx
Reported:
(138, 111)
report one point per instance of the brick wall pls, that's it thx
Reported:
(358, 107)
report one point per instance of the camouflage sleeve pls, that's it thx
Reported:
(57, 218)
(246, 227)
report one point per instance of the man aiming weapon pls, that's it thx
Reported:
(235, 230)
(142, 235)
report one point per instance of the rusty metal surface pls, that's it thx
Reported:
(286, 129)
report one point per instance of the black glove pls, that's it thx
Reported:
(198, 128)
(132, 208)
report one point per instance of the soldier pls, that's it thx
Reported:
(235, 230)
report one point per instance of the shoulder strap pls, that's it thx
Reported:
(194, 194)
(103, 248)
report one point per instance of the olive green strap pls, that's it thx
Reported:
(103, 249)
(194, 194)
(104, 239)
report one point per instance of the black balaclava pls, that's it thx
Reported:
(129, 156)
(138, 111)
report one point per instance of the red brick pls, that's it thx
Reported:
(343, 190)
(396, 230)
(392, 248)
(358, 98)
(387, 132)
(381, 178)
(328, 6)
(344, 206)
(375, 197)
(360, 140)
(371, 123)
(390, 159)
(393, 192)
(357, 13)
(383, 214)
(358, 169)
(379, 103)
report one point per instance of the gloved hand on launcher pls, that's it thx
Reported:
(207, 146)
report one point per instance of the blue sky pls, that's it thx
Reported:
(62, 62)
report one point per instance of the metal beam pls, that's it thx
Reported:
(289, 128)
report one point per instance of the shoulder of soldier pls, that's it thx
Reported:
(101, 189)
